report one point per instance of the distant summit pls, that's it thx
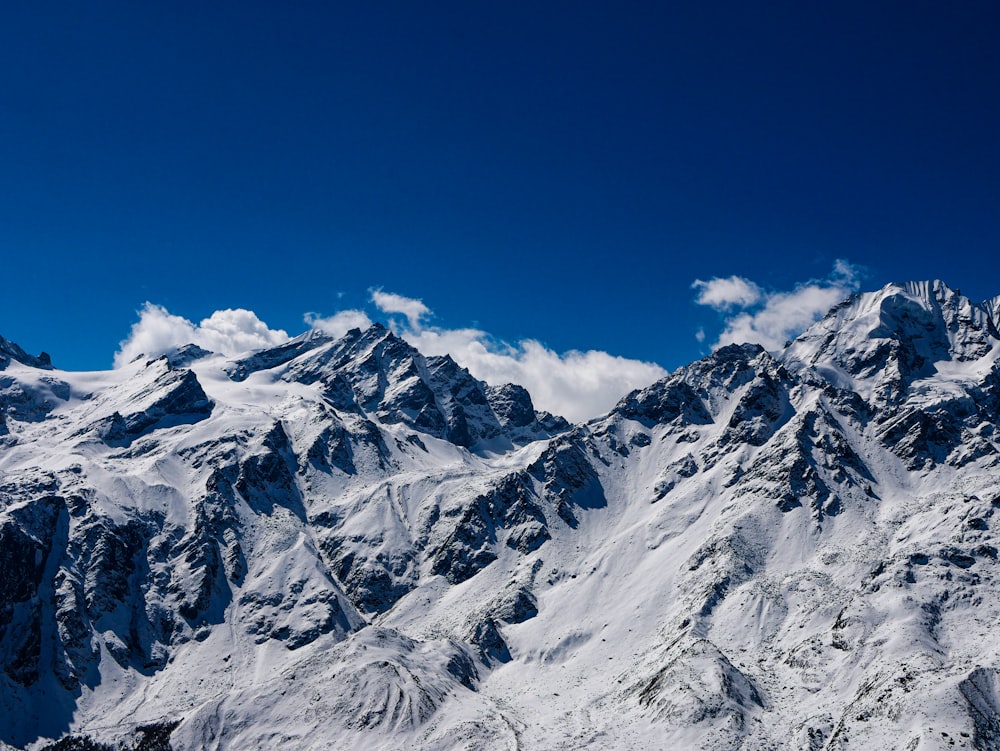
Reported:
(10, 351)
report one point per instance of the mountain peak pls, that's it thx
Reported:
(380, 374)
(901, 329)
(187, 354)
(10, 351)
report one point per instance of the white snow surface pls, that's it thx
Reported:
(757, 552)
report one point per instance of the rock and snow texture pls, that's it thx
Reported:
(340, 543)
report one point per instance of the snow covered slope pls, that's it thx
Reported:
(344, 544)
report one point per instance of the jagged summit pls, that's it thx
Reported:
(378, 372)
(940, 323)
(270, 358)
(878, 343)
(340, 542)
(187, 354)
(10, 351)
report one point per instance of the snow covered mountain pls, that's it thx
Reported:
(345, 544)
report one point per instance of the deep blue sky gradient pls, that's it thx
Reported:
(553, 170)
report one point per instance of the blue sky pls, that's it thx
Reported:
(561, 172)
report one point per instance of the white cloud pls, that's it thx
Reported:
(576, 385)
(846, 275)
(781, 316)
(784, 316)
(339, 323)
(413, 309)
(723, 294)
(228, 332)
(233, 331)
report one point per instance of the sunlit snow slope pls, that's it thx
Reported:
(344, 544)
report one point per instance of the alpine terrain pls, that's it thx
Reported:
(343, 544)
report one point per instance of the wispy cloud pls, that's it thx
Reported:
(414, 310)
(228, 332)
(771, 318)
(723, 294)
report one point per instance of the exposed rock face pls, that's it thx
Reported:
(186, 355)
(27, 535)
(343, 543)
(30, 402)
(10, 351)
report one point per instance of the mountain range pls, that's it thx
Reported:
(342, 543)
